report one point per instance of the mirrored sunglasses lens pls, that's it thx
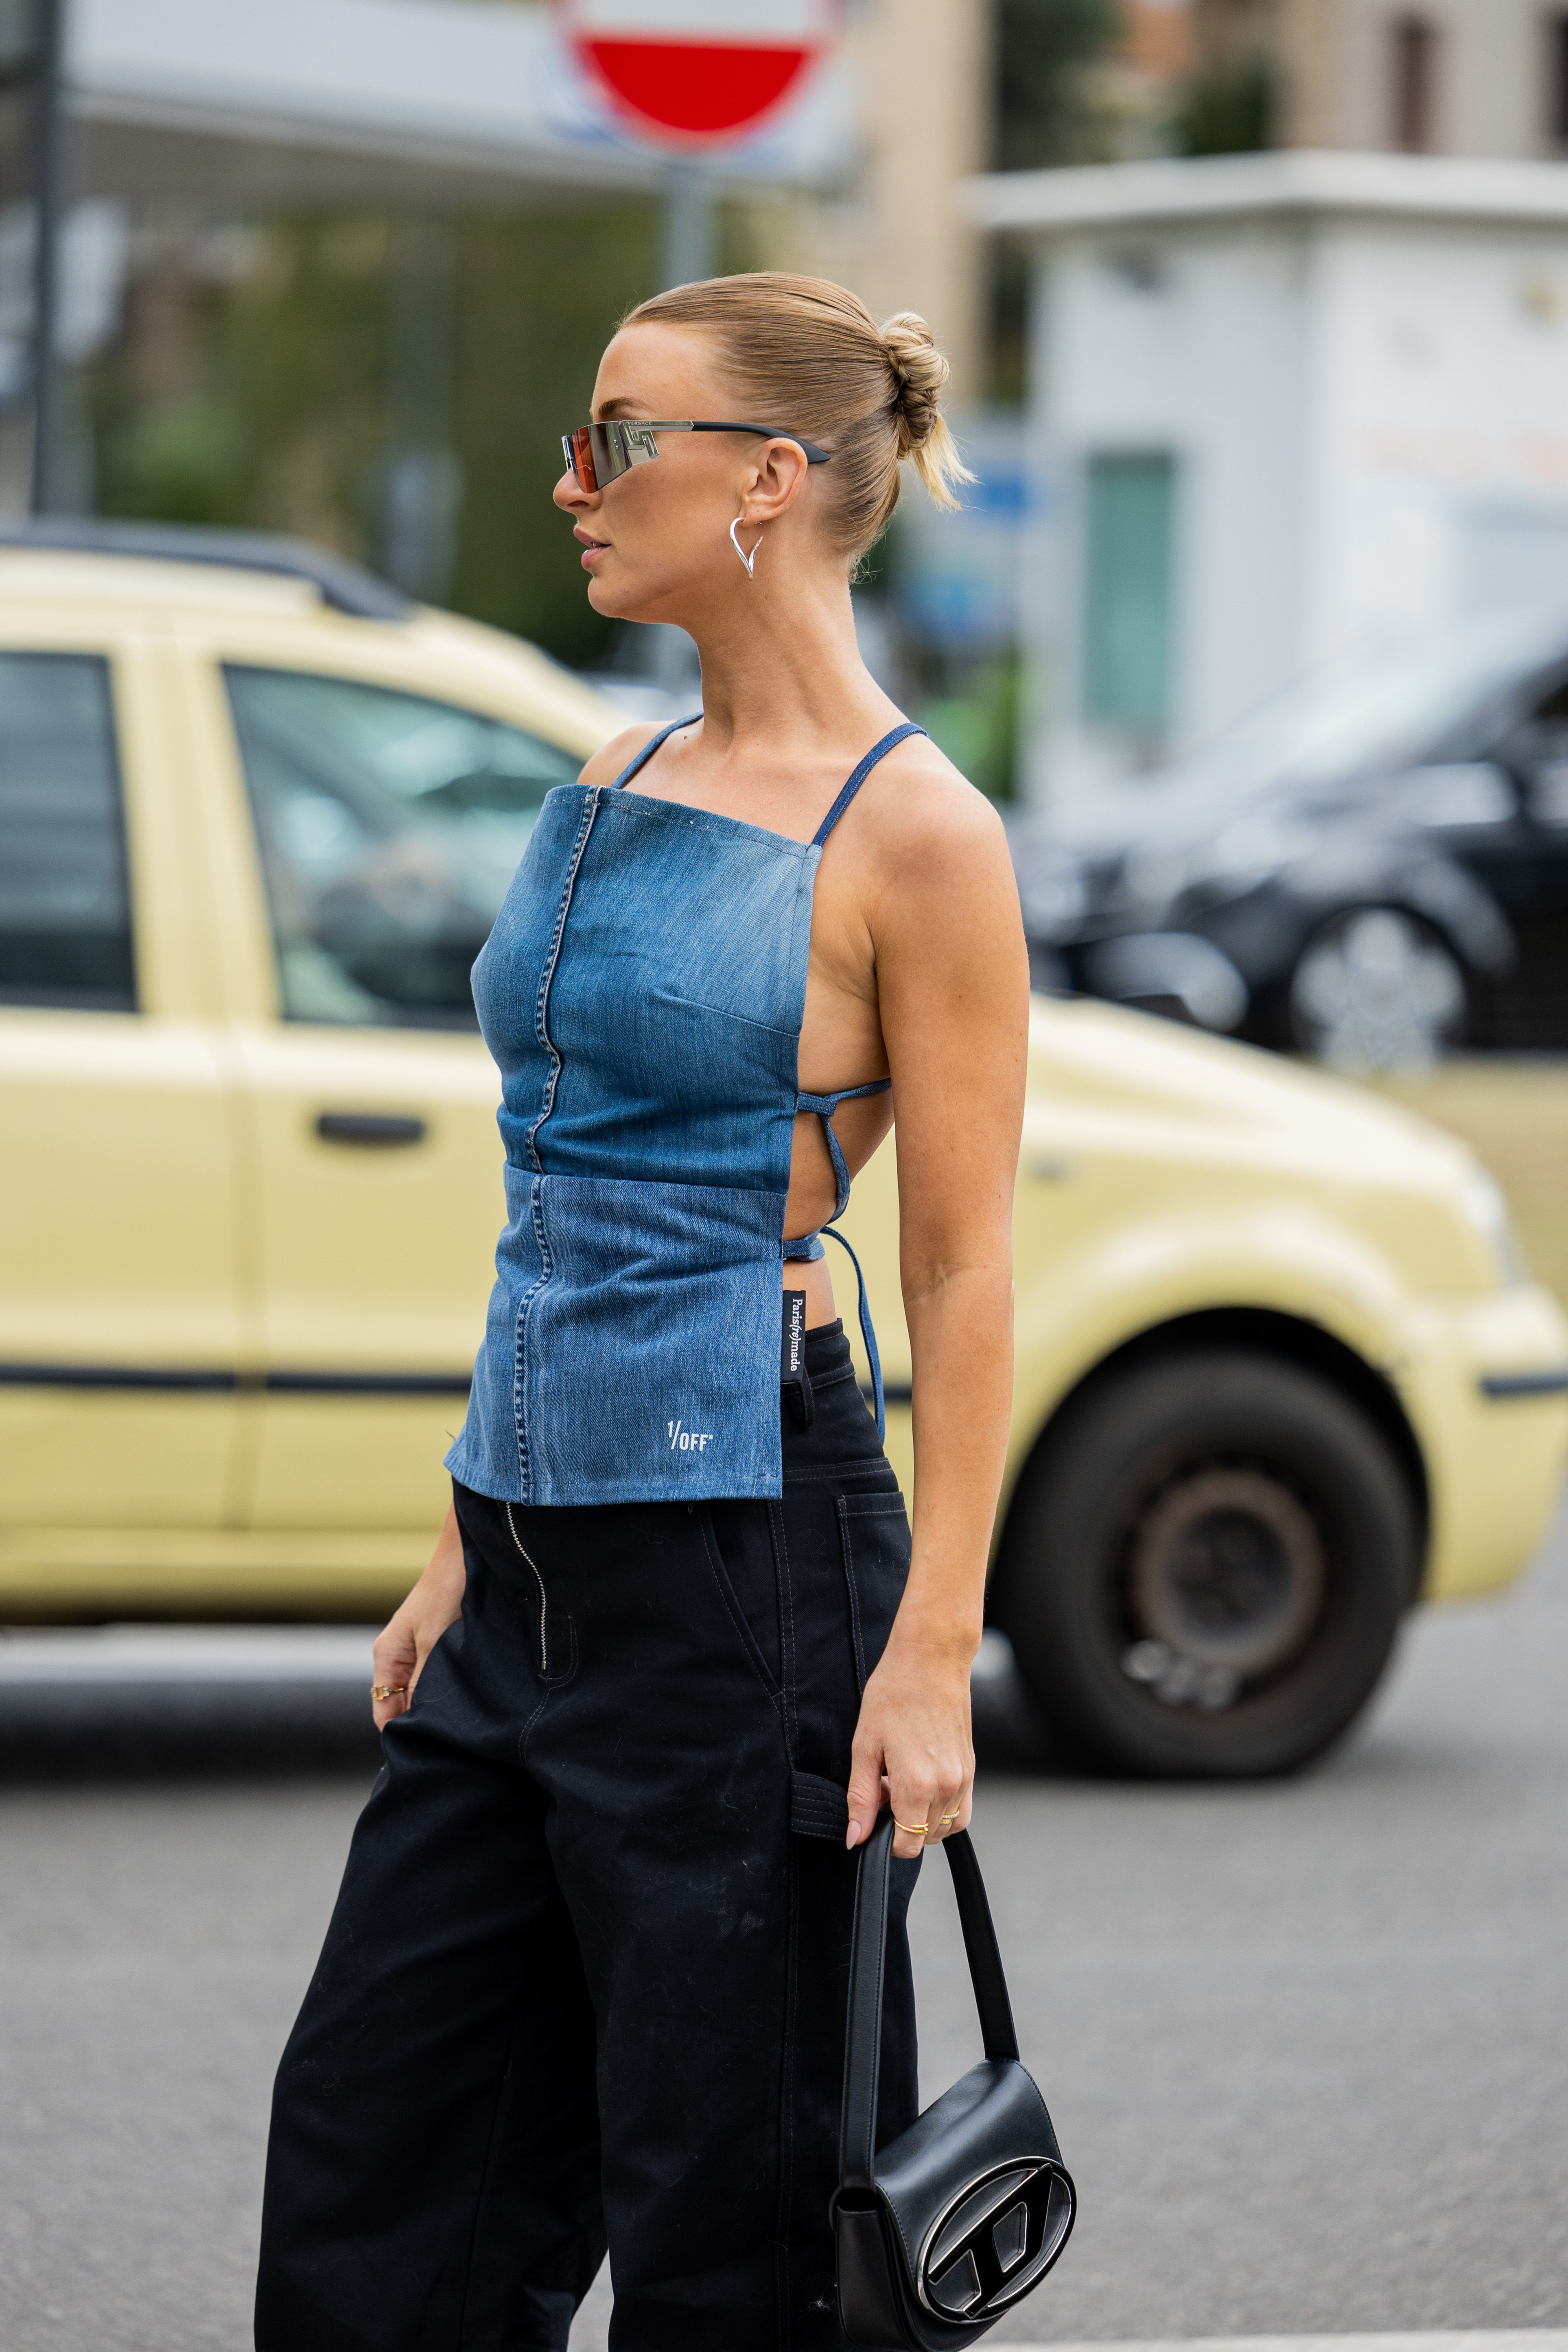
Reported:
(580, 457)
(610, 457)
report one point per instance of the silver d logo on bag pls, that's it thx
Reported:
(994, 2239)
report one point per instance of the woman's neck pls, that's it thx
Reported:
(781, 669)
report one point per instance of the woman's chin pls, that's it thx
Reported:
(610, 599)
(618, 600)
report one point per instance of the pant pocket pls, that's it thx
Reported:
(739, 1553)
(874, 1538)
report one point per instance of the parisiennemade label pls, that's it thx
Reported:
(792, 1349)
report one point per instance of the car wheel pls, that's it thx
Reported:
(1377, 989)
(1205, 1566)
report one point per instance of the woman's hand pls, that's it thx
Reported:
(408, 1638)
(912, 1743)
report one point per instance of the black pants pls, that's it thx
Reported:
(586, 1979)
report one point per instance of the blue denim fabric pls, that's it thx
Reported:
(642, 993)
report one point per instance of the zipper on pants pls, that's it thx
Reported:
(543, 1606)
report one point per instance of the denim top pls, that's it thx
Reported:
(642, 993)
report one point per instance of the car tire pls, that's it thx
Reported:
(1375, 988)
(1205, 1566)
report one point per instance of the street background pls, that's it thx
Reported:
(343, 269)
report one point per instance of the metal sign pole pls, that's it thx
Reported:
(49, 151)
(689, 224)
(689, 251)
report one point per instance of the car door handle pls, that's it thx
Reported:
(378, 1129)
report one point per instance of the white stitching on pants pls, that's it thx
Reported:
(543, 1622)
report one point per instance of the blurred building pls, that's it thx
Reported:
(1428, 77)
(313, 253)
(920, 71)
(343, 268)
(1281, 406)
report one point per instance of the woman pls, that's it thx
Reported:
(586, 1979)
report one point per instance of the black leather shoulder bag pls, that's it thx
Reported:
(952, 2223)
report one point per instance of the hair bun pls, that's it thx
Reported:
(919, 376)
(803, 349)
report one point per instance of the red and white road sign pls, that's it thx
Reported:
(698, 69)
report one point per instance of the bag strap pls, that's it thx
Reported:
(867, 1960)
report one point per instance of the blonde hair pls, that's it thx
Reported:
(807, 355)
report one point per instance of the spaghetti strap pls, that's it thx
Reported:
(648, 749)
(878, 751)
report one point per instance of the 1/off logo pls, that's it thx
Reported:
(688, 1441)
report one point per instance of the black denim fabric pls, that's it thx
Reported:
(585, 1980)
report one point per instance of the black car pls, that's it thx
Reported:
(1372, 870)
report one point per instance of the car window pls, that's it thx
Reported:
(65, 898)
(390, 825)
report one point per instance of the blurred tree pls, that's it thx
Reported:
(258, 395)
(1046, 111)
(251, 399)
(537, 299)
(1231, 109)
(1229, 104)
(179, 463)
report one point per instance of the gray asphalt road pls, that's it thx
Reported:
(1304, 2043)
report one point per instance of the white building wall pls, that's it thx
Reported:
(1198, 346)
(1442, 428)
(1372, 422)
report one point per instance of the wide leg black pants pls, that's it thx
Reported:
(586, 1979)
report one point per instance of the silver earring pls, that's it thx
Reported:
(749, 561)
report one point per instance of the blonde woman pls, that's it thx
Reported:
(584, 1984)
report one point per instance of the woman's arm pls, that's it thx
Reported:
(409, 1636)
(954, 991)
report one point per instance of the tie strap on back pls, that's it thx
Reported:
(825, 1105)
(809, 1245)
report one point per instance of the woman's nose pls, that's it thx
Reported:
(569, 493)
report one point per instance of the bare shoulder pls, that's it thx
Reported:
(929, 822)
(619, 752)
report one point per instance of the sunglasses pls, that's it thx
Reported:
(600, 454)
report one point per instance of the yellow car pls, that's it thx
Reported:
(1278, 1373)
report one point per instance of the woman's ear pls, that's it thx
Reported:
(774, 481)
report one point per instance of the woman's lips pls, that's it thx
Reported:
(590, 548)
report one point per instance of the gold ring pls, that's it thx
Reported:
(389, 1690)
(945, 1818)
(912, 1828)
